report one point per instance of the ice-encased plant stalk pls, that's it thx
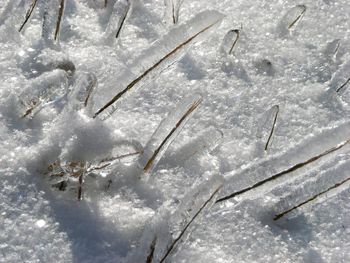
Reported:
(167, 131)
(286, 171)
(280, 215)
(28, 14)
(161, 55)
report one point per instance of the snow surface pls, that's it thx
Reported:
(298, 66)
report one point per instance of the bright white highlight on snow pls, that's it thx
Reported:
(40, 223)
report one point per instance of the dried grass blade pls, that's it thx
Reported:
(59, 19)
(303, 7)
(289, 170)
(148, 162)
(343, 85)
(28, 14)
(151, 253)
(235, 41)
(174, 243)
(273, 126)
(170, 54)
(310, 199)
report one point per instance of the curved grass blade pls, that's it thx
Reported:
(291, 19)
(167, 131)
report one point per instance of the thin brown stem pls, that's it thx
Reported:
(28, 14)
(273, 127)
(151, 253)
(298, 17)
(80, 188)
(149, 70)
(289, 170)
(178, 124)
(123, 21)
(235, 41)
(174, 243)
(342, 86)
(310, 199)
(59, 19)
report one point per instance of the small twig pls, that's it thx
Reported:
(151, 253)
(310, 199)
(342, 86)
(273, 127)
(173, 244)
(106, 2)
(28, 14)
(60, 14)
(289, 170)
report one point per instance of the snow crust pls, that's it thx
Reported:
(290, 57)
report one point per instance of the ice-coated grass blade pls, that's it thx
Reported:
(275, 109)
(47, 88)
(117, 20)
(302, 9)
(82, 91)
(229, 41)
(151, 253)
(80, 187)
(205, 142)
(284, 172)
(175, 242)
(28, 14)
(332, 48)
(291, 19)
(167, 131)
(279, 216)
(172, 10)
(59, 18)
(163, 54)
(342, 87)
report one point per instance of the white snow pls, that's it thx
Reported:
(291, 54)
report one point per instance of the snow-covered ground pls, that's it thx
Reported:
(261, 127)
